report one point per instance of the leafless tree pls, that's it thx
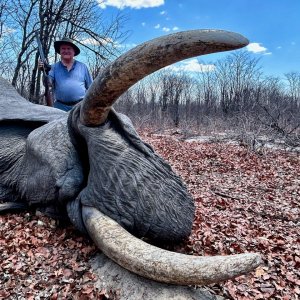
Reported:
(125, 103)
(22, 16)
(3, 15)
(277, 111)
(172, 91)
(4, 32)
(81, 20)
(206, 91)
(188, 98)
(152, 85)
(293, 79)
(235, 75)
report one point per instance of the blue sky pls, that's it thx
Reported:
(272, 26)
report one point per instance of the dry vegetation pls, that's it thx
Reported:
(245, 202)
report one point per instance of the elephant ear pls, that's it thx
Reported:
(130, 133)
(13, 107)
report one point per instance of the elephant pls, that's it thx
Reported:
(90, 166)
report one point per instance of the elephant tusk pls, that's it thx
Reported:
(161, 265)
(147, 58)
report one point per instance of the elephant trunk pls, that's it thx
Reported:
(161, 265)
(147, 58)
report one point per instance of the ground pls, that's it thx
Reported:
(246, 202)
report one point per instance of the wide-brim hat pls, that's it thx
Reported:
(68, 41)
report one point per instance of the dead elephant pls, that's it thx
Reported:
(90, 165)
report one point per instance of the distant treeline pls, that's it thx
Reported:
(234, 95)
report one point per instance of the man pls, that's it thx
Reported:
(70, 78)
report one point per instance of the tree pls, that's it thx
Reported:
(3, 9)
(207, 93)
(80, 20)
(4, 32)
(172, 91)
(235, 76)
(293, 79)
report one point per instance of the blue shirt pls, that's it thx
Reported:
(70, 86)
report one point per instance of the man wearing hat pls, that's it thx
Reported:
(71, 78)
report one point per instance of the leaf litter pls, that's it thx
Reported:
(245, 202)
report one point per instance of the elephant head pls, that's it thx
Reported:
(91, 166)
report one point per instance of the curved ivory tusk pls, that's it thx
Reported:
(161, 265)
(147, 58)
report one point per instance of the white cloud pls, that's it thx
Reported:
(257, 48)
(166, 29)
(126, 47)
(136, 4)
(163, 12)
(192, 65)
(143, 24)
(91, 41)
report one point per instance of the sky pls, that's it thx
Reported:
(272, 26)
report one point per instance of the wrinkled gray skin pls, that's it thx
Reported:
(108, 167)
(89, 165)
